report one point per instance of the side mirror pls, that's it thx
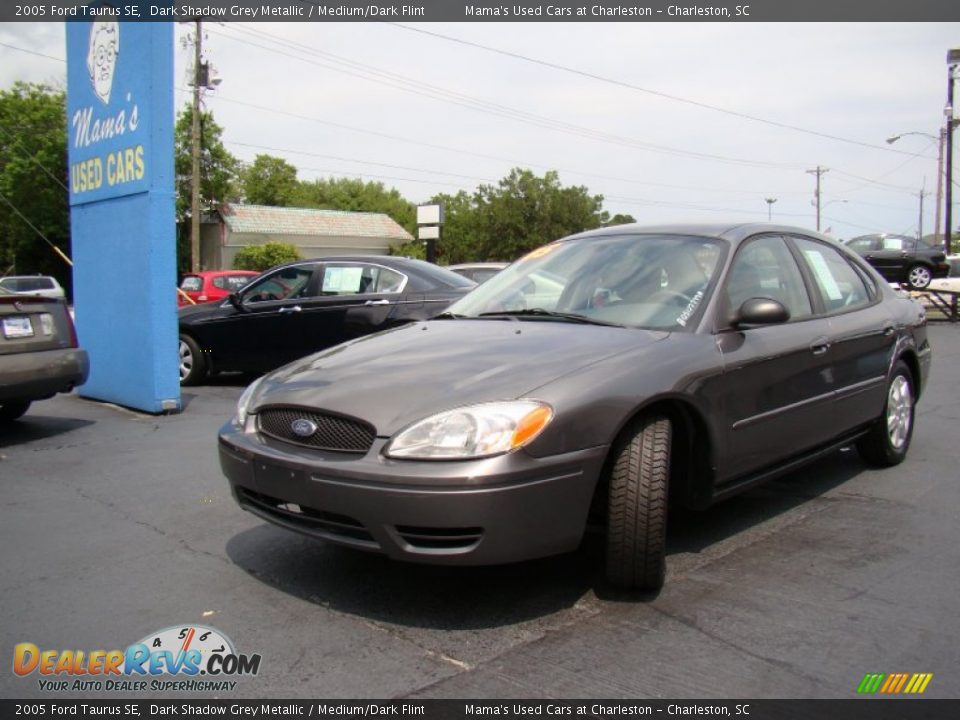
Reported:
(234, 299)
(760, 311)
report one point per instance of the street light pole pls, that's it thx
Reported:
(195, 171)
(770, 202)
(941, 138)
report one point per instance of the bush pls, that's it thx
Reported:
(263, 257)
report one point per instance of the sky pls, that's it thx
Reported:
(654, 116)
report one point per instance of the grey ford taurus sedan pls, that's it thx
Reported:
(600, 377)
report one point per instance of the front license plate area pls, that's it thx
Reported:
(280, 482)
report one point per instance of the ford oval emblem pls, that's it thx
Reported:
(303, 428)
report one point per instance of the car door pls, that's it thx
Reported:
(772, 398)
(862, 332)
(892, 257)
(351, 299)
(260, 333)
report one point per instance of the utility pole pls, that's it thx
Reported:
(923, 193)
(195, 141)
(953, 59)
(818, 172)
(936, 227)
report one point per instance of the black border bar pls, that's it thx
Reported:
(483, 10)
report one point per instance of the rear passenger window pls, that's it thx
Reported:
(841, 286)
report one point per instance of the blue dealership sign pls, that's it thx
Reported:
(120, 147)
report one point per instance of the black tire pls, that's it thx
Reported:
(12, 409)
(888, 441)
(919, 277)
(193, 366)
(637, 506)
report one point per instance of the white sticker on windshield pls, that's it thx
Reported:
(824, 277)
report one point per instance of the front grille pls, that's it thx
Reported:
(432, 538)
(334, 432)
(306, 519)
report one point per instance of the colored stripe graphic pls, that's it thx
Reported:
(894, 683)
(870, 683)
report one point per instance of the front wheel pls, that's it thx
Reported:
(889, 439)
(637, 506)
(192, 366)
(919, 277)
(11, 410)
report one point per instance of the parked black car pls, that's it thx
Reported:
(39, 356)
(301, 307)
(599, 376)
(902, 259)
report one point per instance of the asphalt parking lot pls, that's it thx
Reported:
(115, 525)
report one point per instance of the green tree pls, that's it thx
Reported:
(269, 181)
(524, 211)
(33, 181)
(262, 257)
(218, 173)
(357, 196)
(459, 241)
(620, 219)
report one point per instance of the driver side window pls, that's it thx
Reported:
(284, 284)
(765, 268)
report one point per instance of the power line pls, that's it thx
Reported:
(32, 52)
(416, 87)
(631, 86)
(33, 227)
(37, 162)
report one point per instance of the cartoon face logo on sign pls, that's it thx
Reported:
(102, 56)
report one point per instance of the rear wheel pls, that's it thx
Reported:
(889, 439)
(637, 506)
(11, 410)
(919, 277)
(193, 369)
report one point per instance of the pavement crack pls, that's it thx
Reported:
(782, 664)
(150, 526)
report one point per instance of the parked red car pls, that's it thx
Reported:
(212, 285)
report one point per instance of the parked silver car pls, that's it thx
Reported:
(39, 354)
(43, 285)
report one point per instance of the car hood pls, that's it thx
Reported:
(402, 375)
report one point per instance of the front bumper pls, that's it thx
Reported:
(39, 375)
(478, 512)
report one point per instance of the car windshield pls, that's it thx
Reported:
(648, 281)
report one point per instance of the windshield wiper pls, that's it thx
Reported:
(447, 315)
(540, 312)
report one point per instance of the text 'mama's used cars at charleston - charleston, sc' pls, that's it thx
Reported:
(298, 308)
(39, 355)
(597, 378)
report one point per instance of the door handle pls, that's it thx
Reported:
(888, 330)
(292, 309)
(377, 302)
(819, 347)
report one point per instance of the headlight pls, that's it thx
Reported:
(473, 432)
(245, 400)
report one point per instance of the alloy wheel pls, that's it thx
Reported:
(899, 412)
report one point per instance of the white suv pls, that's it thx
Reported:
(43, 285)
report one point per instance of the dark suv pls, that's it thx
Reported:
(902, 259)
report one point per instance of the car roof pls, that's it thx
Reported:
(731, 232)
(217, 273)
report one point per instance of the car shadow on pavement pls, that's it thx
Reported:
(32, 427)
(437, 597)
